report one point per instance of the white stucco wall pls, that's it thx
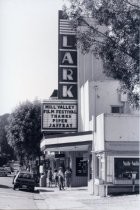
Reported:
(99, 134)
(89, 68)
(103, 95)
(122, 127)
(86, 106)
(116, 127)
(96, 93)
(83, 108)
(97, 97)
(84, 124)
(81, 113)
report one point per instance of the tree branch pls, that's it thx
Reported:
(133, 5)
(109, 38)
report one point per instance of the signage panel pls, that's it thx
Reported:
(59, 155)
(59, 116)
(126, 167)
(81, 167)
(67, 62)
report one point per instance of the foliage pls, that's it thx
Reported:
(6, 152)
(111, 33)
(24, 130)
(3, 123)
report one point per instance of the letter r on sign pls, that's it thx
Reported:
(67, 74)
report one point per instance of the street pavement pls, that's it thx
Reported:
(80, 199)
(68, 199)
(15, 199)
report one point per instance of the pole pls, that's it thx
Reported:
(93, 147)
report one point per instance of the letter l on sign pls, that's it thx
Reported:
(65, 42)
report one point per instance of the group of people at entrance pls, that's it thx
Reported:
(61, 179)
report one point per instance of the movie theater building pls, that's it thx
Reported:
(96, 133)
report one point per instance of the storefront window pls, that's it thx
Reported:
(81, 167)
(125, 168)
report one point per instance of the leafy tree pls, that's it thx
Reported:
(111, 33)
(24, 130)
(6, 152)
(3, 123)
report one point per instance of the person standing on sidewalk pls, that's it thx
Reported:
(55, 176)
(61, 179)
(49, 177)
(68, 177)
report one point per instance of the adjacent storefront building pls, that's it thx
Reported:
(117, 154)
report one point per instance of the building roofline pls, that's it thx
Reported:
(49, 136)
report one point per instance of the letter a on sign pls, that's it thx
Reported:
(67, 92)
(67, 58)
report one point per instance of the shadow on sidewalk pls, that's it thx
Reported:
(4, 186)
(45, 190)
(123, 194)
(81, 189)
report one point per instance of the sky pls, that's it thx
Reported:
(28, 51)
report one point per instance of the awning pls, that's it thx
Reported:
(67, 142)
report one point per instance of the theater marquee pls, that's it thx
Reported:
(59, 115)
(67, 62)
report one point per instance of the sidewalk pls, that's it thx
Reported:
(80, 199)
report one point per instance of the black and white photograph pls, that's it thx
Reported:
(69, 104)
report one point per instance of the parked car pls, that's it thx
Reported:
(16, 167)
(36, 178)
(3, 172)
(8, 169)
(24, 180)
